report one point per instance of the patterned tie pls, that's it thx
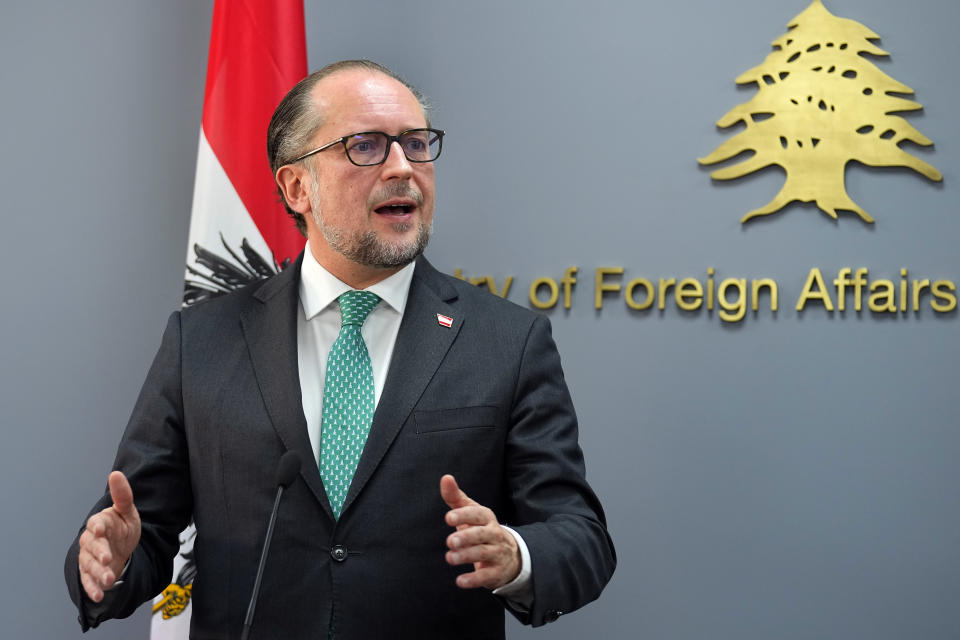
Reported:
(347, 399)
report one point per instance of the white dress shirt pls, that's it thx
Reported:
(318, 327)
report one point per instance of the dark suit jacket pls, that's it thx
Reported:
(484, 400)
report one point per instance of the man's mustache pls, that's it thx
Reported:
(397, 190)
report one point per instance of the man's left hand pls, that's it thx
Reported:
(479, 539)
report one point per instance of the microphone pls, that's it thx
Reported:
(287, 472)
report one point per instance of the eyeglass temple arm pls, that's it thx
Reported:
(317, 150)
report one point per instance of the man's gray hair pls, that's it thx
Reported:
(296, 120)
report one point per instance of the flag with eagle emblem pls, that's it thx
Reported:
(239, 231)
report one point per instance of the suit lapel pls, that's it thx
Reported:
(270, 329)
(422, 343)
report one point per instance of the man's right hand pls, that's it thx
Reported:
(109, 540)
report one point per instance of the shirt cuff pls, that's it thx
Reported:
(519, 591)
(119, 581)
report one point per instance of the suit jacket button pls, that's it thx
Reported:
(552, 615)
(339, 553)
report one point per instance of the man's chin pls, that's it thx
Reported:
(371, 250)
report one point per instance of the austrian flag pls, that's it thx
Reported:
(445, 321)
(239, 232)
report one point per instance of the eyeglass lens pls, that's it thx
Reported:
(419, 145)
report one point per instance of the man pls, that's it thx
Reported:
(472, 443)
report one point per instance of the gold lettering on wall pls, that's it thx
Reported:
(731, 298)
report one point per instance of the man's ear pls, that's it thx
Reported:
(294, 182)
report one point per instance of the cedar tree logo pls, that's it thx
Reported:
(819, 105)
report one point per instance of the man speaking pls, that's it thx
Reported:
(441, 478)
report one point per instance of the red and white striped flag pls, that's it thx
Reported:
(239, 231)
(257, 53)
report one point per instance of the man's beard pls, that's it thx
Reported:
(366, 247)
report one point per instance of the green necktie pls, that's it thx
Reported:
(348, 399)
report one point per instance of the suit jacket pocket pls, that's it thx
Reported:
(454, 419)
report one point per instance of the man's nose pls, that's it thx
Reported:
(396, 164)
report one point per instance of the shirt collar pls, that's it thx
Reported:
(319, 288)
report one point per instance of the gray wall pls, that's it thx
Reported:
(790, 476)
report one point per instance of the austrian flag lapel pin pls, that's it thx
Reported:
(445, 321)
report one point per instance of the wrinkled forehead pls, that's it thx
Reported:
(366, 100)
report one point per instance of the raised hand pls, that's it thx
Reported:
(479, 539)
(109, 539)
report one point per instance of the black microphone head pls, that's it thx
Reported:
(288, 469)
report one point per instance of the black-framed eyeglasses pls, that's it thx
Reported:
(369, 148)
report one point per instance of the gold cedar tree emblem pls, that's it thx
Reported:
(819, 105)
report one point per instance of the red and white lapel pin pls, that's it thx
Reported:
(445, 321)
